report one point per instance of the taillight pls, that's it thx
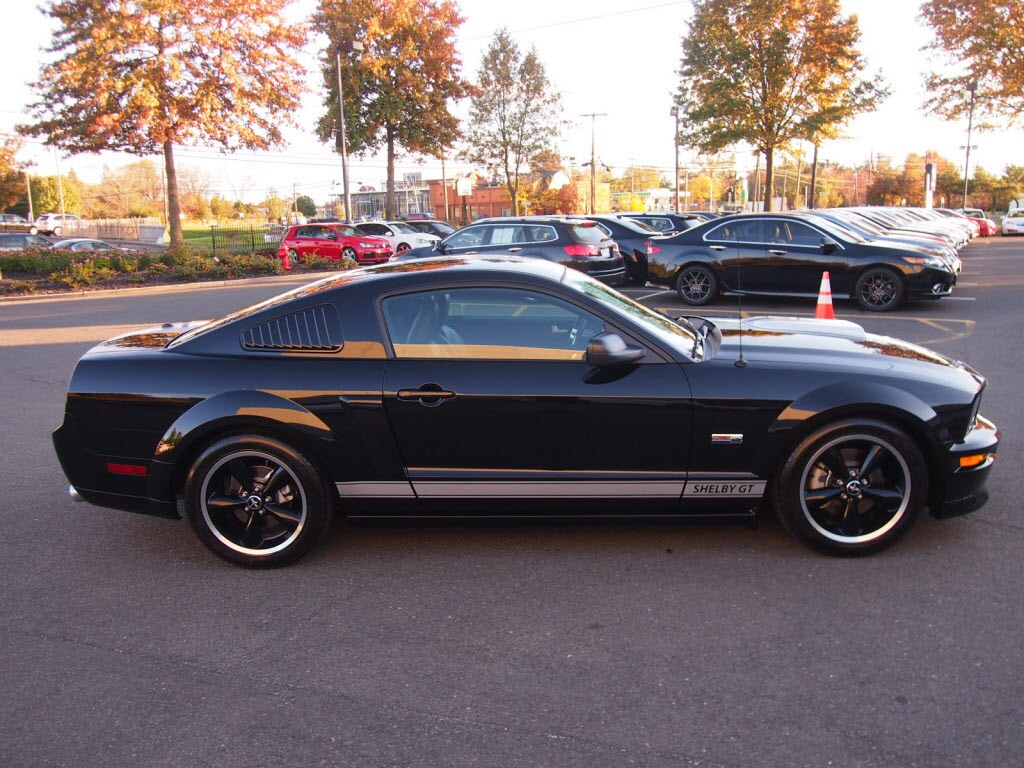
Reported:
(581, 251)
(651, 248)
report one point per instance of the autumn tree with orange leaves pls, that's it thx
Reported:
(980, 43)
(140, 76)
(398, 89)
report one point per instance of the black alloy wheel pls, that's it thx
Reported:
(852, 488)
(349, 253)
(697, 285)
(879, 289)
(256, 502)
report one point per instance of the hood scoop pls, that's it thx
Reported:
(835, 328)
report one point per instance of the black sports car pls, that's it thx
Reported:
(784, 255)
(503, 386)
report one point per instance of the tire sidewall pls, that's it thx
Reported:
(319, 508)
(789, 486)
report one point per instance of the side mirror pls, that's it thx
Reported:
(828, 245)
(608, 349)
(440, 247)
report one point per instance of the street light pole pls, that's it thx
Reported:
(353, 47)
(675, 113)
(972, 87)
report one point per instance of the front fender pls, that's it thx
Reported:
(865, 398)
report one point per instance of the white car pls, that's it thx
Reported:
(401, 236)
(55, 224)
(1013, 222)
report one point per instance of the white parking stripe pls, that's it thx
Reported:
(652, 295)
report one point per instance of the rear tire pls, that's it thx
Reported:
(852, 488)
(696, 285)
(293, 255)
(256, 502)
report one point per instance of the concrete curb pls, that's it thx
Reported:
(169, 287)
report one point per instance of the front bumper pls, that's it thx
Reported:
(970, 463)
(374, 255)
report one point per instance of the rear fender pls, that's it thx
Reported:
(246, 409)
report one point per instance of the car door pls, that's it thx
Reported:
(797, 255)
(736, 245)
(471, 239)
(489, 396)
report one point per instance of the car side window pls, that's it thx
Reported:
(488, 324)
(374, 229)
(737, 231)
(326, 233)
(470, 237)
(506, 234)
(303, 233)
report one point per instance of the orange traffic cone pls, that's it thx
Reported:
(824, 309)
(282, 254)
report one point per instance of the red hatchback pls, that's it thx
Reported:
(335, 242)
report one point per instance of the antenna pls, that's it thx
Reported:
(740, 362)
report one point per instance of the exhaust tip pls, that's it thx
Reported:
(74, 494)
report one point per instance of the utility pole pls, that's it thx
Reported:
(444, 188)
(972, 87)
(593, 157)
(814, 177)
(60, 185)
(675, 143)
(28, 186)
(351, 47)
(295, 204)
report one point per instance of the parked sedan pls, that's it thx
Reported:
(16, 241)
(399, 234)
(89, 244)
(12, 222)
(784, 255)
(335, 242)
(431, 227)
(567, 240)
(1013, 222)
(635, 239)
(507, 387)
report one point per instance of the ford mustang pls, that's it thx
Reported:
(499, 386)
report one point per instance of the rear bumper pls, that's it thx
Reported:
(965, 485)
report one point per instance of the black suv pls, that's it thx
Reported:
(566, 240)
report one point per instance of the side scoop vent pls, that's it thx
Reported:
(316, 329)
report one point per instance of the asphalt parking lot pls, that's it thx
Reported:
(534, 644)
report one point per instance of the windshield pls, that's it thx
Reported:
(639, 226)
(837, 230)
(663, 328)
(405, 229)
(588, 233)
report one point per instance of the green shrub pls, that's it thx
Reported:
(8, 287)
(318, 262)
(83, 274)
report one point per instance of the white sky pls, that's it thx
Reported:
(604, 56)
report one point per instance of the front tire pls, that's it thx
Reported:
(696, 285)
(852, 488)
(402, 248)
(879, 289)
(256, 502)
(56, 231)
(350, 253)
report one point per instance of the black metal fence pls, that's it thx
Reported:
(253, 238)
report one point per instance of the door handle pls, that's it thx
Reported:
(514, 250)
(777, 252)
(426, 394)
(717, 247)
